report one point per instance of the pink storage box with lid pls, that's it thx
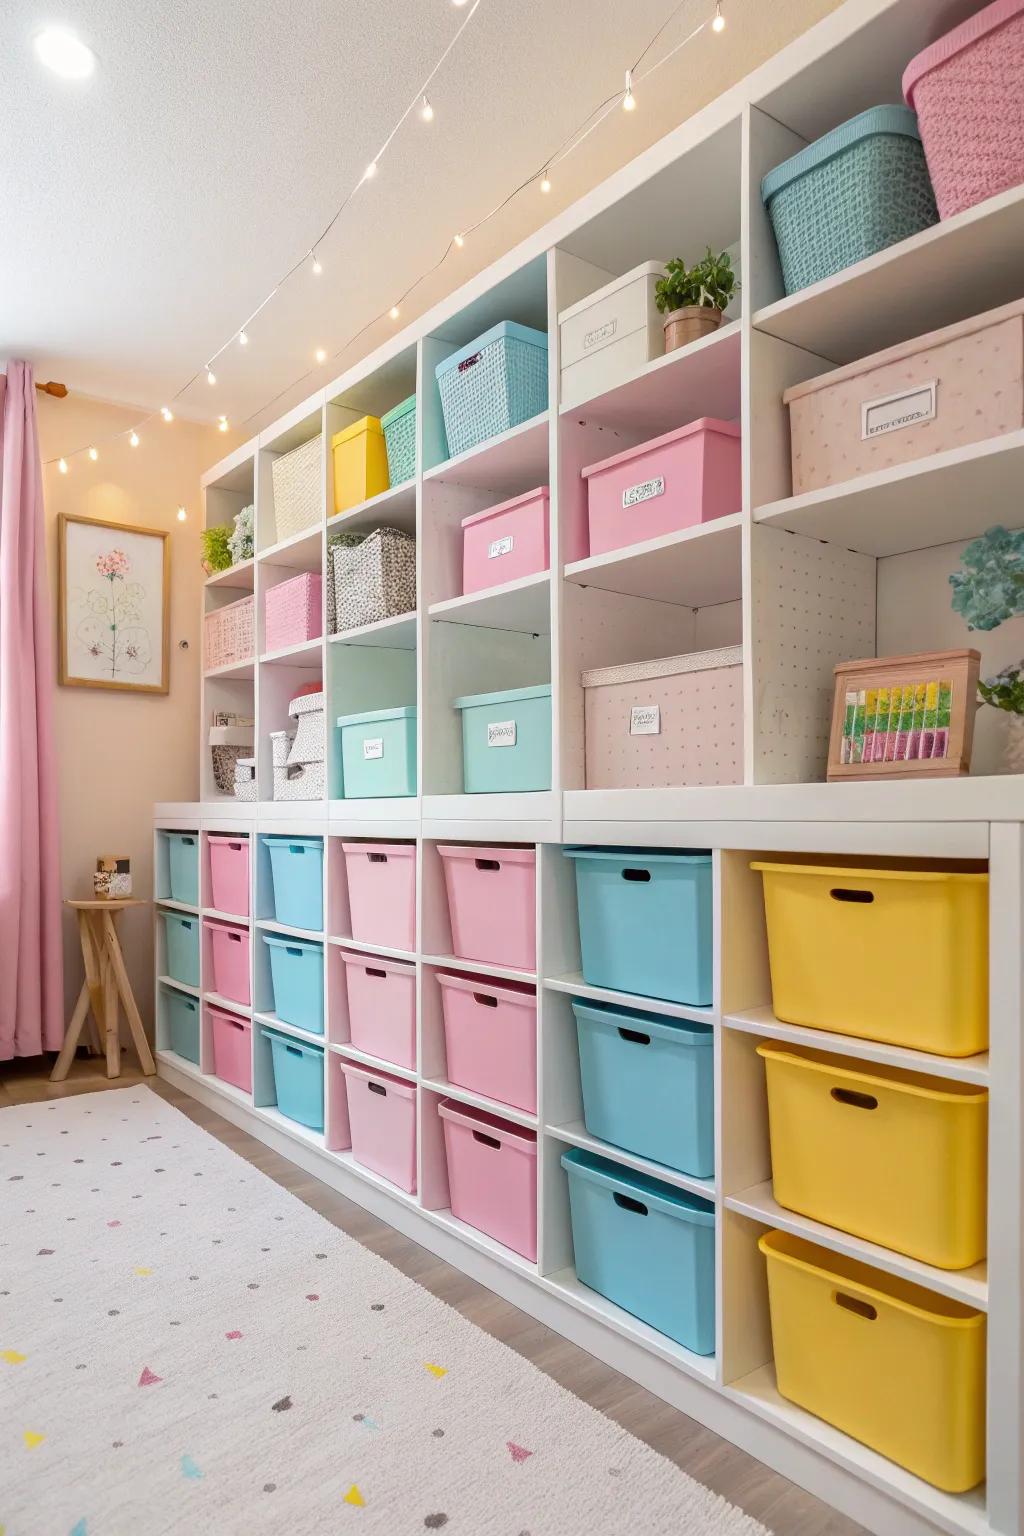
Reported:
(229, 873)
(229, 634)
(382, 1121)
(293, 612)
(382, 893)
(490, 1037)
(382, 1007)
(958, 385)
(492, 903)
(492, 1175)
(229, 948)
(689, 476)
(232, 1048)
(506, 542)
(966, 90)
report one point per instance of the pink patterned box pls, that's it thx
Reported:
(228, 634)
(382, 1118)
(660, 724)
(505, 542)
(293, 611)
(960, 385)
(492, 1175)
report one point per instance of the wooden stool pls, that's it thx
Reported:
(106, 981)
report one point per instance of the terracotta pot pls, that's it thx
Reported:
(689, 324)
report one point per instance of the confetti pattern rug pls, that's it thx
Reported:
(185, 1347)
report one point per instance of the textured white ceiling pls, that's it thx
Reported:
(148, 210)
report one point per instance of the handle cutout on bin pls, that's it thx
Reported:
(855, 1305)
(373, 970)
(188, 842)
(485, 1000)
(377, 858)
(234, 1024)
(487, 863)
(636, 874)
(856, 1100)
(296, 848)
(488, 1141)
(629, 1204)
(293, 1050)
(634, 1036)
(291, 949)
(235, 938)
(843, 893)
(378, 1088)
(236, 847)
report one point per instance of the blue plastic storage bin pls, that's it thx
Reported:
(298, 1078)
(494, 383)
(182, 946)
(378, 753)
(648, 1247)
(183, 866)
(645, 922)
(506, 740)
(182, 1015)
(297, 981)
(648, 1084)
(297, 874)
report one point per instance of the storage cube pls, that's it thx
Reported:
(360, 463)
(297, 877)
(374, 579)
(688, 476)
(610, 334)
(382, 1118)
(298, 1078)
(492, 1175)
(378, 753)
(645, 922)
(227, 744)
(232, 1048)
(884, 954)
(181, 936)
(229, 873)
(182, 1015)
(381, 881)
(490, 1037)
(506, 542)
(298, 488)
(292, 611)
(382, 1007)
(648, 1084)
(648, 1247)
(229, 634)
(297, 981)
(890, 1155)
(678, 720)
(506, 740)
(229, 951)
(492, 903)
(898, 1367)
(493, 384)
(183, 866)
(399, 428)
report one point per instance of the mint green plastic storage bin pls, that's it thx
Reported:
(378, 753)
(399, 428)
(182, 1015)
(181, 934)
(183, 866)
(506, 740)
(298, 1078)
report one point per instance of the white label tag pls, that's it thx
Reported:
(501, 733)
(602, 333)
(373, 747)
(890, 413)
(643, 492)
(645, 720)
(500, 547)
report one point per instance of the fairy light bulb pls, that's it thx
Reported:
(629, 100)
(182, 514)
(460, 241)
(134, 440)
(211, 377)
(545, 182)
(166, 413)
(93, 454)
(394, 312)
(321, 355)
(427, 111)
(718, 25)
(317, 268)
(371, 171)
(222, 424)
(243, 339)
(62, 465)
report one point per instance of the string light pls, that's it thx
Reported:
(718, 25)
(166, 413)
(182, 514)
(317, 268)
(211, 377)
(394, 311)
(427, 111)
(222, 424)
(134, 440)
(545, 182)
(321, 355)
(459, 240)
(243, 339)
(629, 100)
(62, 465)
(94, 454)
(371, 171)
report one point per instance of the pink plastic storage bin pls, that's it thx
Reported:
(382, 893)
(229, 873)
(382, 1119)
(292, 612)
(492, 1175)
(232, 1048)
(967, 93)
(688, 476)
(228, 634)
(229, 949)
(382, 1007)
(492, 904)
(506, 542)
(490, 1037)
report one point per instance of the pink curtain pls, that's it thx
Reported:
(31, 961)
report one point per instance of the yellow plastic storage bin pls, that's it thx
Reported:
(899, 1368)
(884, 954)
(360, 463)
(892, 1156)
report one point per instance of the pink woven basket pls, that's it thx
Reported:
(293, 611)
(967, 92)
(228, 637)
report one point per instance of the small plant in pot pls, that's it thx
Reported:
(1006, 691)
(692, 299)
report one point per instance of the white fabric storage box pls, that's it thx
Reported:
(245, 778)
(657, 724)
(298, 488)
(607, 336)
(280, 746)
(298, 781)
(374, 579)
(310, 743)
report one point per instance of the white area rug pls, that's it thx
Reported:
(185, 1347)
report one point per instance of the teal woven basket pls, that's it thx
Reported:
(399, 426)
(862, 187)
(493, 384)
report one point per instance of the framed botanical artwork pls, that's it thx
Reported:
(114, 604)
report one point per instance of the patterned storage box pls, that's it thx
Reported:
(292, 611)
(298, 488)
(299, 781)
(493, 384)
(229, 636)
(374, 579)
(245, 778)
(309, 745)
(227, 744)
(399, 425)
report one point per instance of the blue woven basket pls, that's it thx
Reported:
(494, 383)
(399, 425)
(862, 187)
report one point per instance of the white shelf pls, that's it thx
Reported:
(523, 605)
(516, 460)
(480, 1240)
(306, 653)
(375, 1180)
(290, 1127)
(176, 906)
(447, 1090)
(386, 951)
(397, 633)
(239, 577)
(273, 1022)
(228, 1004)
(702, 379)
(478, 967)
(762, 1021)
(243, 670)
(269, 926)
(397, 816)
(178, 986)
(375, 1063)
(393, 508)
(575, 1134)
(566, 1283)
(298, 552)
(572, 983)
(695, 567)
(226, 917)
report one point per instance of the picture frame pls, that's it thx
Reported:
(900, 717)
(113, 605)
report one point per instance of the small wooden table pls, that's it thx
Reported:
(106, 982)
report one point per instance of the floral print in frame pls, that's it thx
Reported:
(114, 605)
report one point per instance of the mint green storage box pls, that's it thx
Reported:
(378, 753)
(506, 740)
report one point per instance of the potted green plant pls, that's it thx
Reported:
(214, 543)
(1006, 691)
(692, 299)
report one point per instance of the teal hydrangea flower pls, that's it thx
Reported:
(989, 587)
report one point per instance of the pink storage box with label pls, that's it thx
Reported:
(656, 724)
(492, 1175)
(490, 1037)
(688, 476)
(229, 948)
(229, 634)
(382, 1007)
(382, 1120)
(229, 873)
(506, 542)
(962, 384)
(492, 904)
(232, 1048)
(293, 612)
(382, 893)
(967, 93)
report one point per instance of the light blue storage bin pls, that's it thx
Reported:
(648, 1247)
(297, 981)
(399, 428)
(494, 383)
(648, 1084)
(182, 1015)
(645, 922)
(182, 945)
(297, 873)
(378, 753)
(183, 866)
(506, 740)
(298, 1078)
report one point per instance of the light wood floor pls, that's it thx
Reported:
(780, 1505)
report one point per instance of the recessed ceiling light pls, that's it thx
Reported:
(64, 53)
